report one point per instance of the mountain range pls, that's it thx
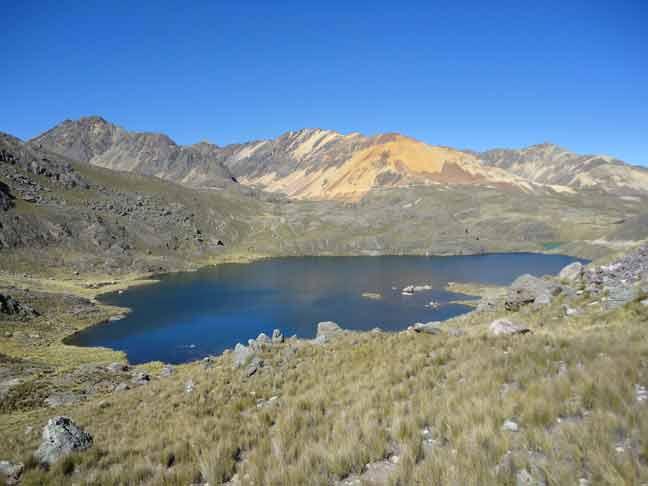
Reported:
(91, 197)
(323, 164)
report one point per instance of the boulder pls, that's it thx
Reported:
(502, 327)
(427, 328)
(620, 295)
(486, 304)
(10, 472)
(572, 272)
(510, 426)
(6, 199)
(61, 436)
(11, 307)
(327, 330)
(525, 478)
(528, 289)
(117, 367)
(141, 378)
(58, 399)
(570, 311)
(242, 354)
(253, 366)
(277, 337)
(167, 370)
(263, 339)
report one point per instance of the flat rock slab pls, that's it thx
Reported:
(505, 327)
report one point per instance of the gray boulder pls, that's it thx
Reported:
(242, 354)
(486, 304)
(167, 370)
(10, 472)
(141, 378)
(427, 328)
(572, 272)
(11, 307)
(277, 337)
(253, 366)
(620, 295)
(504, 327)
(326, 331)
(58, 399)
(117, 367)
(528, 289)
(61, 437)
(263, 339)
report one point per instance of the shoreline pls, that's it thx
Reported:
(96, 286)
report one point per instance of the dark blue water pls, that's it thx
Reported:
(190, 315)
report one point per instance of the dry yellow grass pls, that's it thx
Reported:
(569, 386)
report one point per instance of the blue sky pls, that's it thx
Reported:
(469, 74)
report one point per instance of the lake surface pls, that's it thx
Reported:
(190, 315)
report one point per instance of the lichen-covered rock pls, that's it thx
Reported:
(61, 436)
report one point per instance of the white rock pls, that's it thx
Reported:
(510, 426)
(501, 327)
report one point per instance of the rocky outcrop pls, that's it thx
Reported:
(621, 281)
(11, 307)
(61, 436)
(326, 331)
(528, 289)
(505, 327)
(6, 199)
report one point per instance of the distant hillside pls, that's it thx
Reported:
(550, 164)
(93, 140)
(321, 164)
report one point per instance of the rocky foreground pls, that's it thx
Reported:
(546, 384)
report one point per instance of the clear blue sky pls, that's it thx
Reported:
(473, 74)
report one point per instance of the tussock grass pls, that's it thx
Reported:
(366, 397)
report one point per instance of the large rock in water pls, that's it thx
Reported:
(528, 289)
(327, 330)
(504, 327)
(61, 437)
(572, 272)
